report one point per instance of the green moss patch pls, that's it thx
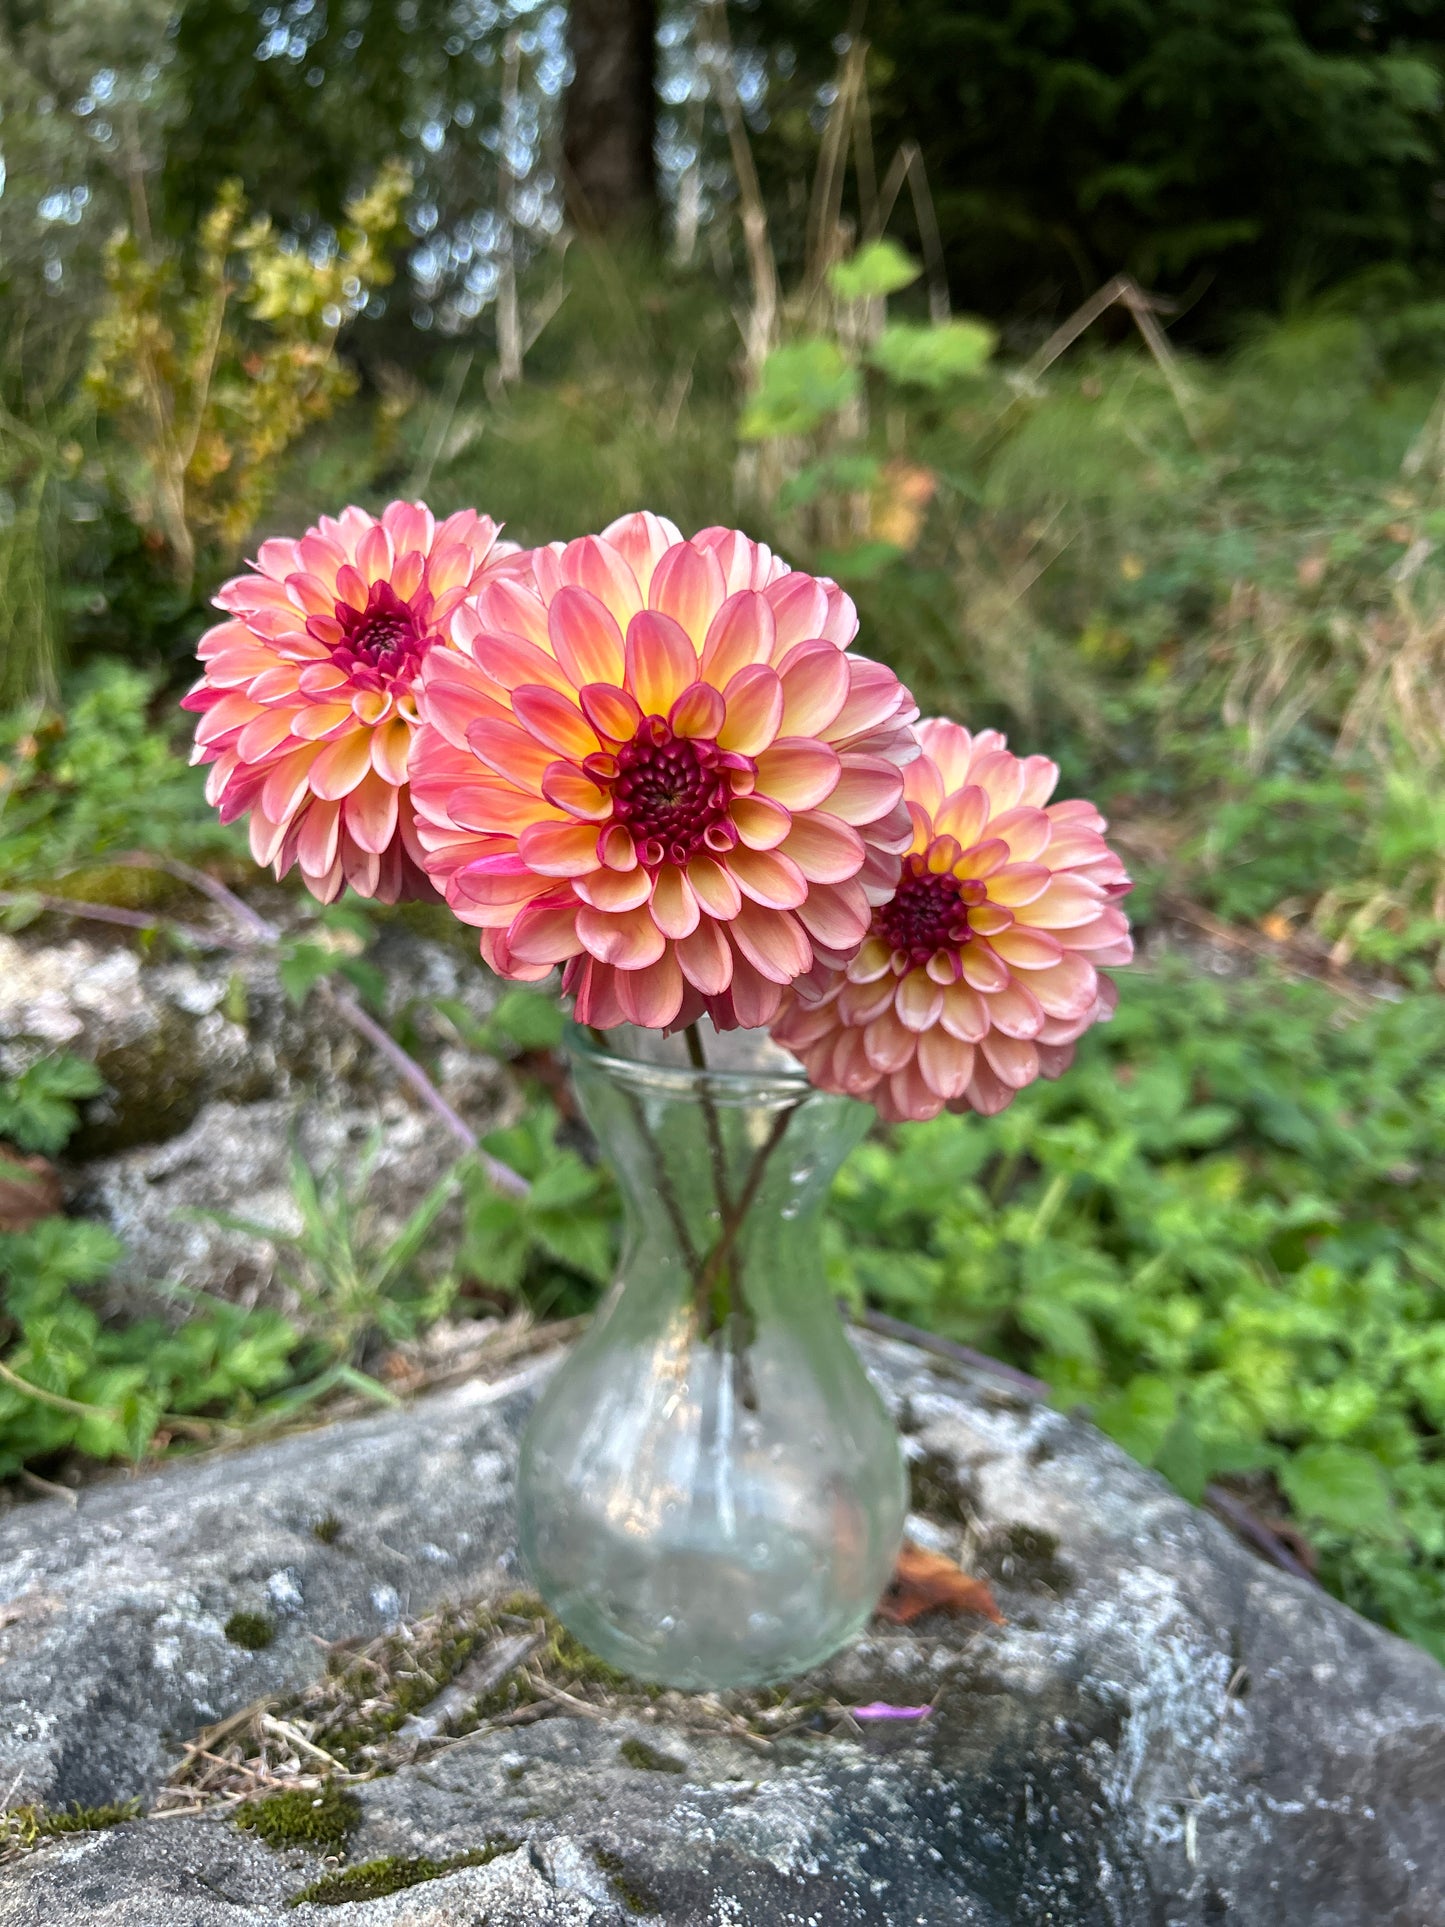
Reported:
(31, 1823)
(375, 1879)
(322, 1820)
(254, 1631)
(634, 1895)
(647, 1758)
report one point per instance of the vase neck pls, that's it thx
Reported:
(722, 1171)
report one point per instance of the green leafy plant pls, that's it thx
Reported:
(1222, 1235)
(89, 779)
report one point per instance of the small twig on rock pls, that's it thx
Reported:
(886, 1327)
(1236, 1514)
(488, 1669)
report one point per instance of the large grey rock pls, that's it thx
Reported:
(213, 1075)
(1165, 1733)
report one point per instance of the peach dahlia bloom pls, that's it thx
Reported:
(983, 968)
(657, 763)
(307, 702)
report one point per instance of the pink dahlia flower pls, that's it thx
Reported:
(657, 763)
(307, 704)
(983, 968)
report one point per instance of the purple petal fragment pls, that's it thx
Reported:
(881, 1710)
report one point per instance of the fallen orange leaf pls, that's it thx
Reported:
(925, 1582)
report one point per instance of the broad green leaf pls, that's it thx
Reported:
(921, 356)
(878, 268)
(1139, 1417)
(1339, 1486)
(803, 383)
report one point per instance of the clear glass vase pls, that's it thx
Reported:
(710, 1492)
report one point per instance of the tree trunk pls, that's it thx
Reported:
(610, 115)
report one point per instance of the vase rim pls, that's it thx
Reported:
(768, 1085)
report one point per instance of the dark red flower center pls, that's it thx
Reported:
(671, 793)
(388, 638)
(927, 912)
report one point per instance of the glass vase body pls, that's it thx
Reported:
(710, 1493)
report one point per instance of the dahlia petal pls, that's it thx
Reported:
(768, 877)
(600, 568)
(742, 632)
(990, 920)
(1000, 776)
(491, 809)
(1024, 949)
(824, 849)
(867, 788)
(835, 916)
(266, 836)
(1016, 1011)
(503, 881)
(612, 712)
(545, 933)
(391, 751)
(310, 722)
(508, 606)
(295, 773)
(321, 678)
(859, 1004)
(888, 1042)
(706, 958)
(1068, 903)
(772, 941)
(1019, 883)
(555, 721)
(982, 968)
(982, 860)
(651, 997)
(593, 988)
(799, 604)
(873, 961)
(267, 732)
(661, 661)
(516, 756)
(1039, 779)
(568, 789)
(278, 557)
(450, 567)
(616, 848)
(510, 661)
(874, 694)
(375, 554)
(964, 1014)
(754, 709)
(946, 1063)
(688, 585)
(962, 814)
(674, 903)
(908, 1097)
(453, 694)
(815, 683)
(352, 587)
(1012, 1061)
(585, 638)
(987, 1093)
(849, 1070)
(918, 1001)
(800, 773)
(613, 890)
(1027, 833)
(698, 711)
(410, 526)
(751, 999)
(1066, 989)
(231, 712)
(760, 823)
(924, 788)
(714, 888)
(944, 968)
(642, 539)
(628, 941)
(370, 812)
(559, 849)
